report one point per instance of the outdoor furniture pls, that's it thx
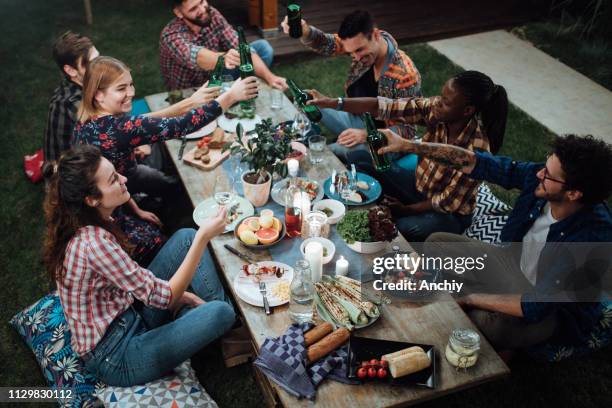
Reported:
(420, 322)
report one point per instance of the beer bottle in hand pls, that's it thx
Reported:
(300, 97)
(246, 70)
(376, 140)
(294, 18)
(215, 77)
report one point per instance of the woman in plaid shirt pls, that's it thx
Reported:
(129, 324)
(471, 113)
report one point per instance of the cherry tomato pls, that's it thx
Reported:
(374, 361)
(372, 372)
(384, 363)
(362, 372)
(365, 364)
(382, 373)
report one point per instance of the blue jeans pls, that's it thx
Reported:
(337, 122)
(400, 183)
(143, 344)
(261, 48)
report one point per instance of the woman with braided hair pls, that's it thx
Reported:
(471, 113)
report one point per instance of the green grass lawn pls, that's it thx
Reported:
(129, 30)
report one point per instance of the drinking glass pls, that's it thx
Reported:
(301, 124)
(316, 146)
(276, 99)
(222, 193)
(226, 82)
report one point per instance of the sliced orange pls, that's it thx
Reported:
(267, 235)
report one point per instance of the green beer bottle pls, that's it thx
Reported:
(294, 18)
(311, 111)
(376, 140)
(246, 70)
(215, 77)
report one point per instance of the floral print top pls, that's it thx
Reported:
(118, 135)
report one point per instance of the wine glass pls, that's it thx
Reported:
(301, 124)
(222, 193)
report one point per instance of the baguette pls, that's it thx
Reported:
(408, 364)
(403, 352)
(317, 333)
(327, 344)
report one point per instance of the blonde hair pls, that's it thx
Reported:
(101, 73)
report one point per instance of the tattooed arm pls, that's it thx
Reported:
(453, 156)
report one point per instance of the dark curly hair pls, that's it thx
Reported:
(587, 164)
(358, 22)
(69, 181)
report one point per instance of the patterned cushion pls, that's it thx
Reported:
(175, 391)
(44, 329)
(489, 217)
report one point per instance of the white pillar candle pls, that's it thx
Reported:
(342, 266)
(313, 253)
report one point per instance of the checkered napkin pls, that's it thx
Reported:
(283, 360)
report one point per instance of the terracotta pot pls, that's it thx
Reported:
(257, 194)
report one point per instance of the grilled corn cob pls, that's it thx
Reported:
(337, 312)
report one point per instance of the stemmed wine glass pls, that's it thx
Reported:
(302, 125)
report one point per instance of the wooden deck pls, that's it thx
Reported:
(408, 21)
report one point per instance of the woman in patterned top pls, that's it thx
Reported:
(470, 113)
(130, 325)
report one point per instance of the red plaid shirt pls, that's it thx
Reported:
(100, 283)
(179, 47)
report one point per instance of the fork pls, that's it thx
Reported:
(262, 290)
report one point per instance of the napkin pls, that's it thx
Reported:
(283, 360)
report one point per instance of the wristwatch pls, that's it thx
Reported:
(340, 103)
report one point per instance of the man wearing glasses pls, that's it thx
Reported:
(532, 298)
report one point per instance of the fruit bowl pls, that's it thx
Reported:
(261, 234)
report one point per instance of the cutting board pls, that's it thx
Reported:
(216, 155)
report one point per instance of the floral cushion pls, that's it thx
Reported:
(176, 391)
(44, 329)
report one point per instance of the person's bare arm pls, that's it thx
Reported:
(351, 105)
(207, 59)
(507, 304)
(456, 157)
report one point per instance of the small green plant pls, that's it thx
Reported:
(265, 152)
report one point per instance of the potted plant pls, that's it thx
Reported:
(264, 153)
(365, 231)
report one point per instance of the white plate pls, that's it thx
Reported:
(205, 131)
(280, 187)
(338, 209)
(209, 207)
(229, 125)
(249, 291)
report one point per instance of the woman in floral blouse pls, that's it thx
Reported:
(130, 325)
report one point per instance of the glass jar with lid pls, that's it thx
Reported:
(315, 225)
(462, 348)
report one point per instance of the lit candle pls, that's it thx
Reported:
(342, 266)
(313, 253)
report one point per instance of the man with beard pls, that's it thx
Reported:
(378, 68)
(533, 298)
(191, 43)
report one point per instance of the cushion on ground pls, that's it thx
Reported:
(489, 217)
(43, 328)
(179, 390)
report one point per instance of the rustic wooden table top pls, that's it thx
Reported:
(426, 322)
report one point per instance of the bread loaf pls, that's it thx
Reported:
(327, 344)
(317, 333)
(408, 364)
(403, 352)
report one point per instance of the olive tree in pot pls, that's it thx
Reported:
(264, 154)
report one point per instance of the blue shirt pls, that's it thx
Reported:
(582, 326)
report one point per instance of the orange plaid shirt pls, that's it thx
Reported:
(449, 190)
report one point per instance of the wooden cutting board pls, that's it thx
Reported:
(216, 155)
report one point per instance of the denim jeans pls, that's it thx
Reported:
(337, 122)
(143, 344)
(261, 48)
(400, 183)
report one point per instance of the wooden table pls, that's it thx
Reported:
(427, 322)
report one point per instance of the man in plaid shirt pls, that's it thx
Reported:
(379, 68)
(71, 52)
(191, 43)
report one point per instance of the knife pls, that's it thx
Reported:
(238, 253)
(182, 148)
